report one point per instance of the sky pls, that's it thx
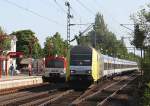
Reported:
(46, 17)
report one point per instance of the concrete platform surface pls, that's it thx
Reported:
(18, 81)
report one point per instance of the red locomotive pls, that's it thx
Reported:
(55, 68)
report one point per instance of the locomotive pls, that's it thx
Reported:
(55, 68)
(87, 64)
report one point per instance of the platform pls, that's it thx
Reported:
(17, 81)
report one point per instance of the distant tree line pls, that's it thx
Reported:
(141, 41)
(99, 37)
(141, 36)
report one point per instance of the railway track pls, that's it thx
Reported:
(60, 95)
(17, 89)
(103, 95)
(29, 95)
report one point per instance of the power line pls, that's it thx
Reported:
(31, 11)
(75, 12)
(112, 18)
(108, 13)
(61, 8)
(89, 10)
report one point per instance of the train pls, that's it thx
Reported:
(89, 65)
(55, 68)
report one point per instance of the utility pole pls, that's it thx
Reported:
(69, 16)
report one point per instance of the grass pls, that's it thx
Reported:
(146, 97)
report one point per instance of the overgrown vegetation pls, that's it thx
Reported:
(142, 41)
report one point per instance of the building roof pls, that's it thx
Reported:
(25, 61)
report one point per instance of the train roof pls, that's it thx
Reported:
(81, 49)
(108, 59)
(88, 50)
(55, 57)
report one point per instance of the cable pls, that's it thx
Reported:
(61, 8)
(108, 13)
(89, 10)
(34, 13)
(112, 18)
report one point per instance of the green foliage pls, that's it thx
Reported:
(5, 43)
(141, 20)
(142, 40)
(139, 37)
(28, 43)
(55, 46)
(106, 41)
(146, 96)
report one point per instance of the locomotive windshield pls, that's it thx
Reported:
(81, 59)
(55, 64)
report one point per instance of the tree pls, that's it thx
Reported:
(4, 41)
(28, 43)
(106, 41)
(141, 20)
(55, 45)
(141, 39)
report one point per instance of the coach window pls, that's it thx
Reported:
(105, 66)
(108, 66)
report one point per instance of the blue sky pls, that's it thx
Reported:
(53, 18)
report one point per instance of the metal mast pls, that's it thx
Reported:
(68, 22)
(69, 16)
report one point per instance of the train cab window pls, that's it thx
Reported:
(55, 64)
(81, 59)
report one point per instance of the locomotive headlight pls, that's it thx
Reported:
(73, 71)
(89, 71)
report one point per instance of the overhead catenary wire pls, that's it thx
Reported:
(32, 12)
(88, 9)
(61, 8)
(112, 18)
(108, 13)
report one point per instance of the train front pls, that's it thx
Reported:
(55, 68)
(81, 64)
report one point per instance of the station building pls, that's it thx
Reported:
(10, 57)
